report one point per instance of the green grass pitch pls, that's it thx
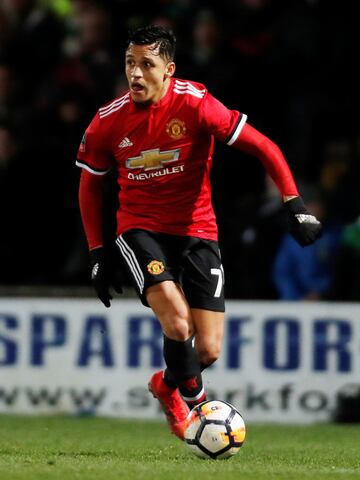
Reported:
(72, 448)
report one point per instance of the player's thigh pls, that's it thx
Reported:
(209, 332)
(146, 260)
(203, 277)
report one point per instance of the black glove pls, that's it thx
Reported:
(303, 226)
(104, 274)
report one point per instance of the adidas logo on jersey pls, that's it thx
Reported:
(126, 142)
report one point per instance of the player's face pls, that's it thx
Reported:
(147, 73)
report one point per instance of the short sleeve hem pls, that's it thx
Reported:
(95, 171)
(237, 129)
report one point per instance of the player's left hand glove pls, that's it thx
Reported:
(303, 226)
(104, 275)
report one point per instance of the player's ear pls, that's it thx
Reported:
(170, 70)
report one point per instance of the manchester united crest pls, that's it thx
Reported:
(155, 267)
(176, 128)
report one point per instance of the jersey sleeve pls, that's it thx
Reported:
(94, 154)
(258, 145)
(224, 124)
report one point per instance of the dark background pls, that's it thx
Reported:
(289, 65)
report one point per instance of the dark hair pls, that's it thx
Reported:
(160, 36)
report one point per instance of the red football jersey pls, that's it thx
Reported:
(163, 154)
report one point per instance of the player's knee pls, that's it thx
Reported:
(176, 322)
(208, 354)
(177, 327)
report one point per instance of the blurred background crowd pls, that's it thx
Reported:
(288, 64)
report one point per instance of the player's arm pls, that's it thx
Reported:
(94, 160)
(252, 142)
(103, 274)
(304, 227)
(231, 127)
(91, 207)
(91, 204)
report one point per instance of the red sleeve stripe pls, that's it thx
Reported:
(95, 171)
(237, 130)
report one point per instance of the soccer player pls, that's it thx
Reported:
(160, 136)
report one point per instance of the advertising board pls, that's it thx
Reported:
(281, 361)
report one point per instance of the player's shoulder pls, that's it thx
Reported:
(189, 90)
(114, 107)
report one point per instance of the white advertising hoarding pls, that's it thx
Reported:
(282, 362)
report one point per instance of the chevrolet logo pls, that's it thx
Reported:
(152, 159)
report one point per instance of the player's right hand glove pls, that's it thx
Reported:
(104, 275)
(303, 226)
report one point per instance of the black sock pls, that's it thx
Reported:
(169, 378)
(183, 369)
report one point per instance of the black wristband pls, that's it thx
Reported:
(295, 205)
(96, 255)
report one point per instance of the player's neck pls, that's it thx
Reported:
(156, 99)
(163, 91)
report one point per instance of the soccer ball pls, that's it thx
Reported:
(216, 430)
